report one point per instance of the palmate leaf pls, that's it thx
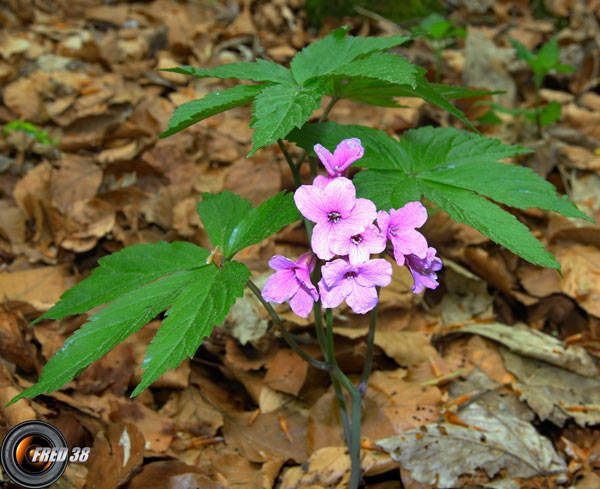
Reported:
(203, 303)
(258, 71)
(382, 93)
(336, 50)
(125, 271)
(280, 108)
(141, 281)
(233, 224)
(386, 67)
(107, 328)
(213, 103)
(454, 169)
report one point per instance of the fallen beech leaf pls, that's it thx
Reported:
(264, 439)
(192, 413)
(466, 295)
(121, 448)
(77, 178)
(581, 270)
(40, 287)
(330, 467)
(553, 392)
(440, 453)
(535, 344)
(172, 474)
(286, 372)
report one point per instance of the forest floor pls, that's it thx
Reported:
(501, 343)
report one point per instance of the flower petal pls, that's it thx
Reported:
(326, 157)
(280, 287)
(334, 271)
(334, 296)
(311, 203)
(383, 221)
(302, 275)
(409, 242)
(321, 181)
(302, 303)
(358, 253)
(374, 272)
(411, 215)
(320, 240)
(362, 299)
(363, 214)
(346, 153)
(278, 262)
(340, 196)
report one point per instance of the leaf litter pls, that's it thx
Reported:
(245, 412)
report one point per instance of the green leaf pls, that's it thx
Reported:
(378, 145)
(108, 327)
(123, 272)
(213, 103)
(550, 114)
(443, 164)
(259, 71)
(455, 92)
(547, 56)
(233, 224)
(388, 190)
(335, 50)
(485, 216)
(203, 304)
(386, 67)
(521, 51)
(278, 109)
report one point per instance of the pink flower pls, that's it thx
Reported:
(359, 246)
(346, 153)
(423, 270)
(292, 282)
(399, 226)
(335, 210)
(353, 283)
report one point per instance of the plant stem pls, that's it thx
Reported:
(289, 338)
(290, 162)
(339, 394)
(364, 378)
(537, 112)
(438, 64)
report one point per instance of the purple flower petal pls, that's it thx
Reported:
(363, 214)
(325, 156)
(383, 221)
(374, 272)
(346, 153)
(340, 196)
(334, 271)
(411, 215)
(362, 299)
(321, 181)
(302, 302)
(333, 296)
(409, 242)
(320, 240)
(280, 287)
(279, 262)
(311, 203)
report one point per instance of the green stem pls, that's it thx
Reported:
(537, 112)
(286, 334)
(438, 64)
(364, 378)
(290, 162)
(339, 394)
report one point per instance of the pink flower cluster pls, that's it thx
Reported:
(352, 229)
